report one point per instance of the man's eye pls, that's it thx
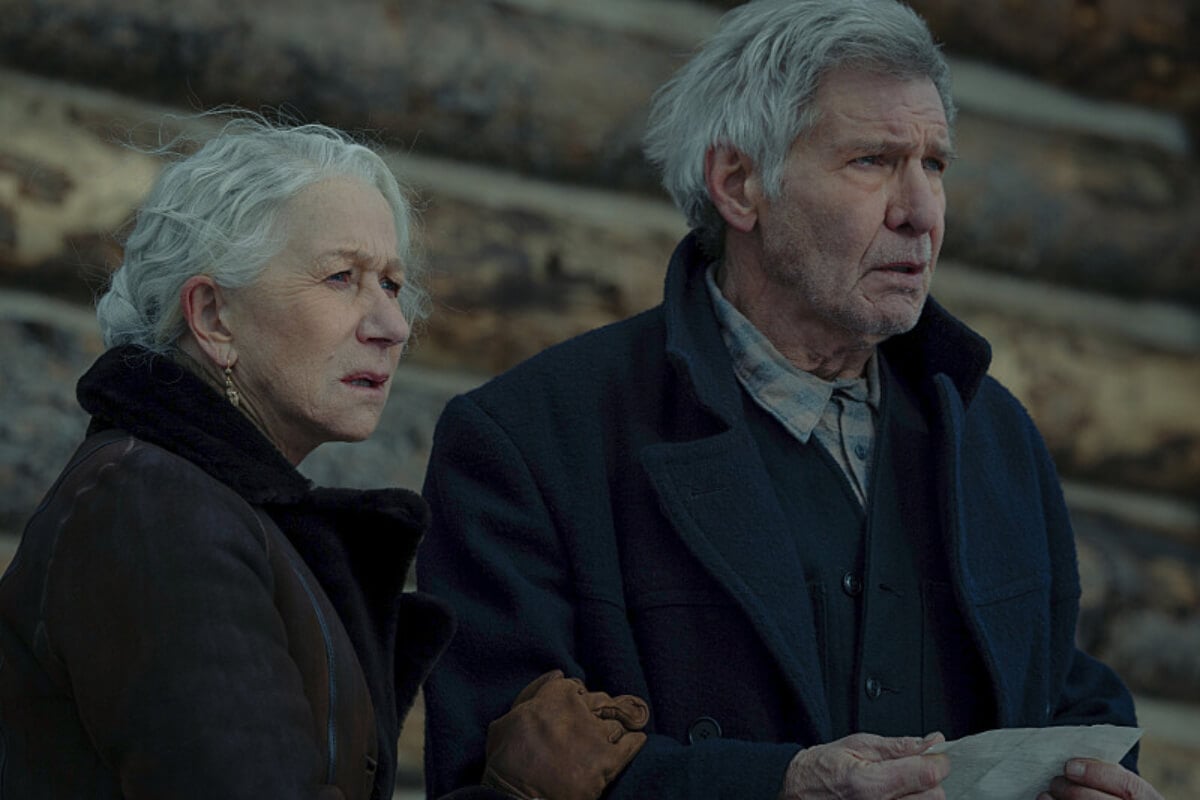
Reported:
(935, 165)
(868, 161)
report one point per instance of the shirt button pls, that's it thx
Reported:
(852, 584)
(860, 450)
(874, 688)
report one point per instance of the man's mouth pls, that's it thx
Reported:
(904, 269)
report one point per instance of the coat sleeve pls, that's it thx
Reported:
(1051, 681)
(494, 553)
(1088, 692)
(159, 616)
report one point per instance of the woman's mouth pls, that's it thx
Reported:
(366, 380)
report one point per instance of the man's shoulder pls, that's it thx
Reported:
(611, 353)
(998, 423)
(995, 402)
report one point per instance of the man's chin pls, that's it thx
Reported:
(902, 315)
(883, 326)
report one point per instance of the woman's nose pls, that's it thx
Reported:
(385, 323)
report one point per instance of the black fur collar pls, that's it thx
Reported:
(157, 399)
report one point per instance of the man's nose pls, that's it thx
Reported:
(917, 204)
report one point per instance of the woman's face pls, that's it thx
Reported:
(319, 334)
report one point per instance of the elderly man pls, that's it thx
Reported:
(787, 506)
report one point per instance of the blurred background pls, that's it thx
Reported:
(1073, 234)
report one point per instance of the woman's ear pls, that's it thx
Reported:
(734, 186)
(204, 306)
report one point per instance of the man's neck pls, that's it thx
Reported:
(816, 346)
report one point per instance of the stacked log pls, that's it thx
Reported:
(482, 81)
(1142, 52)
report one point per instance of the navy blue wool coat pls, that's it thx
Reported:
(602, 508)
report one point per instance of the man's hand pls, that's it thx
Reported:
(1088, 779)
(867, 767)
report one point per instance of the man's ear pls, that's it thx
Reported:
(734, 186)
(204, 306)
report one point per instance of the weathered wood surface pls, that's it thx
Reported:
(1111, 413)
(1115, 217)
(1143, 52)
(473, 79)
(521, 264)
(1069, 208)
(509, 282)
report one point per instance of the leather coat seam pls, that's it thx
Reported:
(327, 637)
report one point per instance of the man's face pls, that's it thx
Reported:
(853, 237)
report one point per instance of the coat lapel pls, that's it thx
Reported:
(715, 490)
(719, 498)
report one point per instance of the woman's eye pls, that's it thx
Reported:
(339, 277)
(390, 286)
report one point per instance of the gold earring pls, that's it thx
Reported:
(230, 392)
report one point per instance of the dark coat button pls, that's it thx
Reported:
(703, 728)
(852, 584)
(861, 451)
(874, 688)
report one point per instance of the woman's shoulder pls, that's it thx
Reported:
(116, 458)
(582, 377)
(130, 528)
(120, 486)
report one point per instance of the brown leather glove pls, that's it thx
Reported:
(562, 742)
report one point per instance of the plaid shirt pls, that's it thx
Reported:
(840, 413)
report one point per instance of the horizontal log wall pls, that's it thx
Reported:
(477, 80)
(522, 264)
(564, 97)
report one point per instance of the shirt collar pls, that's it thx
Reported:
(794, 397)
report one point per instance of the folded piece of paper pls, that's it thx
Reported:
(1018, 763)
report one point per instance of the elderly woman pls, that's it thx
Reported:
(187, 617)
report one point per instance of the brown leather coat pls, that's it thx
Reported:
(187, 618)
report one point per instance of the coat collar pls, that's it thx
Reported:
(938, 344)
(159, 400)
(694, 344)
